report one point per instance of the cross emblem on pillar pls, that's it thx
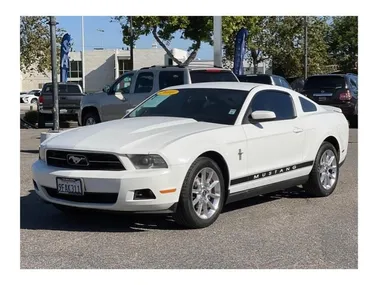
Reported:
(240, 153)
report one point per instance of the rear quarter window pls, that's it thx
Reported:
(170, 78)
(307, 106)
(199, 76)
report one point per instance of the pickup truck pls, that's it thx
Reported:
(69, 98)
(134, 86)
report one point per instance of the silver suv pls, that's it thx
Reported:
(135, 86)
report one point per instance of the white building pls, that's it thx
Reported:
(103, 66)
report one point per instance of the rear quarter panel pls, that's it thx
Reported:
(319, 126)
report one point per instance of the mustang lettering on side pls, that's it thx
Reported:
(191, 149)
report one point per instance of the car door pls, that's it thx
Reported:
(113, 107)
(274, 146)
(143, 87)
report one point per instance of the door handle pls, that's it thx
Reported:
(298, 130)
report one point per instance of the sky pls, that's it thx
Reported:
(111, 38)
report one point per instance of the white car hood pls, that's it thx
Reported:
(132, 135)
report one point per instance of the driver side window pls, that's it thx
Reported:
(124, 84)
(279, 102)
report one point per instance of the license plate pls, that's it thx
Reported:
(69, 186)
(321, 98)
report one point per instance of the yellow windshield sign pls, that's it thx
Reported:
(167, 92)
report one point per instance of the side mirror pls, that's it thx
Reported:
(128, 111)
(119, 96)
(260, 116)
(106, 89)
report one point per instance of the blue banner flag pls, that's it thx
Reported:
(64, 62)
(240, 41)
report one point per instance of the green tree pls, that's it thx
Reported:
(282, 40)
(198, 29)
(35, 52)
(343, 41)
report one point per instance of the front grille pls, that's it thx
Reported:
(21, 100)
(101, 198)
(94, 161)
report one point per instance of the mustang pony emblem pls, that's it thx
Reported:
(77, 160)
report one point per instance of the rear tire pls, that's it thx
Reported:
(325, 172)
(202, 195)
(34, 101)
(91, 118)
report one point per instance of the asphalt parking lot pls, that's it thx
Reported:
(283, 230)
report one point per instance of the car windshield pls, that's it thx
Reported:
(220, 106)
(317, 82)
(212, 75)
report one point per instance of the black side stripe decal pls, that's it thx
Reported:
(270, 173)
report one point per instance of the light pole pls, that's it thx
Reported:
(83, 70)
(217, 39)
(305, 47)
(53, 46)
(131, 41)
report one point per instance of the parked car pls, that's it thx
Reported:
(133, 87)
(265, 79)
(69, 95)
(30, 97)
(297, 84)
(339, 90)
(191, 149)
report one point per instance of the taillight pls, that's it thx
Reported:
(345, 96)
(41, 99)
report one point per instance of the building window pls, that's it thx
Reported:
(124, 66)
(75, 70)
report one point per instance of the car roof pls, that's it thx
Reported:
(244, 86)
(176, 67)
(328, 75)
(256, 75)
(64, 83)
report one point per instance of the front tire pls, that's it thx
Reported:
(91, 118)
(202, 195)
(325, 172)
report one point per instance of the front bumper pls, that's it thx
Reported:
(122, 184)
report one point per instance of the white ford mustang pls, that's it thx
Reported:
(191, 149)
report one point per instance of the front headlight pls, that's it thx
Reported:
(42, 152)
(147, 161)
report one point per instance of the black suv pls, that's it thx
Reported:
(265, 79)
(338, 90)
